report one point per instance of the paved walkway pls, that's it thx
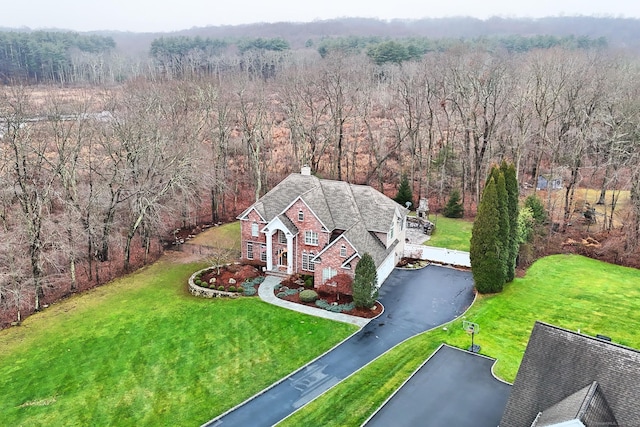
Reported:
(415, 301)
(265, 291)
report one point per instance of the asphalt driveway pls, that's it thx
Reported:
(453, 388)
(414, 301)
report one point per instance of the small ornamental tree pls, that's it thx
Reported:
(365, 282)
(404, 194)
(486, 247)
(454, 208)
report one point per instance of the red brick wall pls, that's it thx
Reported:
(331, 258)
(245, 233)
(309, 223)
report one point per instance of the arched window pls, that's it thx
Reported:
(254, 229)
(343, 251)
(300, 215)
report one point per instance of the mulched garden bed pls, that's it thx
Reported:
(238, 272)
(344, 299)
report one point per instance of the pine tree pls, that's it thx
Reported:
(513, 196)
(365, 282)
(404, 194)
(454, 208)
(486, 265)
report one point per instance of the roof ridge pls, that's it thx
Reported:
(589, 337)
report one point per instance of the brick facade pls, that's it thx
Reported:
(247, 236)
(332, 258)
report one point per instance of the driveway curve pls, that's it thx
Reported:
(414, 300)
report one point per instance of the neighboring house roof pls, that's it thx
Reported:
(567, 378)
(359, 210)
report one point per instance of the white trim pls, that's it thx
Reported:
(324, 227)
(243, 216)
(342, 236)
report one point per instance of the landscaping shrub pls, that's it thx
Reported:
(339, 308)
(250, 291)
(232, 288)
(285, 291)
(198, 282)
(308, 281)
(221, 288)
(308, 295)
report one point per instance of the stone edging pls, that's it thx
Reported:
(199, 291)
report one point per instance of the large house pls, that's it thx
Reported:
(567, 379)
(322, 228)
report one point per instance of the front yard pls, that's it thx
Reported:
(142, 351)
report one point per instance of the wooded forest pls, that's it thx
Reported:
(99, 173)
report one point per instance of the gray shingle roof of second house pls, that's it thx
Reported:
(357, 210)
(565, 375)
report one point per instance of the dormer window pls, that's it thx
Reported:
(343, 251)
(391, 233)
(300, 215)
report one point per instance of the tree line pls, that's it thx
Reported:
(44, 56)
(93, 178)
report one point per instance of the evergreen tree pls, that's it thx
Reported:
(503, 220)
(404, 194)
(511, 184)
(365, 281)
(486, 265)
(536, 205)
(454, 208)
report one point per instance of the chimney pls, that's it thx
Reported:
(305, 170)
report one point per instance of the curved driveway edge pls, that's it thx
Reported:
(266, 293)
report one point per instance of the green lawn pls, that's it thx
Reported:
(142, 351)
(568, 291)
(450, 233)
(224, 236)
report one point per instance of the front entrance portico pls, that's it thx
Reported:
(284, 257)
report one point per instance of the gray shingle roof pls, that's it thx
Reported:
(357, 209)
(559, 364)
(588, 405)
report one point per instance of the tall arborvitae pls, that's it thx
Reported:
(486, 265)
(513, 196)
(503, 219)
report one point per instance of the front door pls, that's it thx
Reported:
(282, 257)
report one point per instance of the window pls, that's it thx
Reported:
(300, 216)
(254, 229)
(391, 233)
(263, 253)
(282, 238)
(343, 251)
(306, 261)
(328, 273)
(311, 238)
(249, 250)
